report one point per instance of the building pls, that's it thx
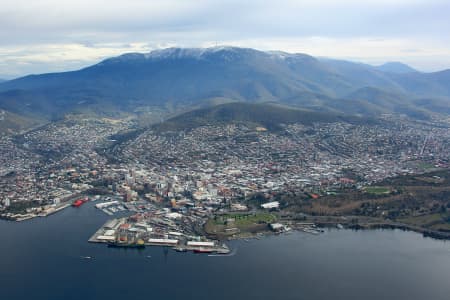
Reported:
(271, 205)
(200, 244)
(168, 242)
(277, 227)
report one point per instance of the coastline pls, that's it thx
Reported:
(28, 216)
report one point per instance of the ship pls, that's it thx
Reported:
(180, 249)
(203, 250)
(138, 244)
(311, 230)
(125, 245)
(79, 202)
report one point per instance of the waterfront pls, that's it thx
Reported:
(45, 258)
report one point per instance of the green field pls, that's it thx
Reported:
(245, 220)
(377, 190)
(441, 227)
(425, 166)
(426, 220)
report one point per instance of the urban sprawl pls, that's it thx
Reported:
(173, 182)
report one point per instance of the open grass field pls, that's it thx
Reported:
(426, 166)
(377, 190)
(243, 222)
(424, 221)
(246, 220)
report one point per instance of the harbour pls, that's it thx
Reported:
(296, 261)
(118, 233)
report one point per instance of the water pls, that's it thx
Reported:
(43, 259)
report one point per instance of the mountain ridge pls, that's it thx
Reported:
(395, 67)
(175, 79)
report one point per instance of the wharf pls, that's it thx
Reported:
(93, 238)
(99, 232)
(223, 249)
(45, 213)
(59, 208)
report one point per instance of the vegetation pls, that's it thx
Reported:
(268, 116)
(426, 166)
(22, 206)
(437, 221)
(133, 83)
(422, 201)
(377, 190)
(14, 123)
(425, 220)
(244, 220)
(230, 224)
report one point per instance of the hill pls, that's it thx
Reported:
(13, 123)
(269, 116)
(375, 101)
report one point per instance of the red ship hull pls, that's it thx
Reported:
(79, 202)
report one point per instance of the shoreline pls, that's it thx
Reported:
(439, 235)
(24, 217)
(327, 222)
(313, 223)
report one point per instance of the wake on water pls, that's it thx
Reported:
(232, 253)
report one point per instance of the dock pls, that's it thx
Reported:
(45, 213)
(106, 234)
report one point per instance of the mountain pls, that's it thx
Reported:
(269, 116)
(177, 79)
(13, 123)
(395, 67)
(375, 101)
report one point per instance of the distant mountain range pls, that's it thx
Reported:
(176, 79)
(395, 67)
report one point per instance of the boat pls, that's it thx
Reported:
(79, 202)
(126, 245)
(311, 230)
(223, 251)
(203, 250)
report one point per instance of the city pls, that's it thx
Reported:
(191, 176)
(227, 150)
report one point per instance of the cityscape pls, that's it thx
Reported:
(292, 150)
(179, 180)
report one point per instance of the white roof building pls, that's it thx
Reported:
(269, 205)
(200, 244)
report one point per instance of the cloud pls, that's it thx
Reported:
(49, 33)
(48, 20)
(59, 57)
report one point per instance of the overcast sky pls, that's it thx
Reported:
(38, 36)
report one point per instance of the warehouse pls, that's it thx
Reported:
(200, 244)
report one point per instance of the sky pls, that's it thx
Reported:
(40, 36)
